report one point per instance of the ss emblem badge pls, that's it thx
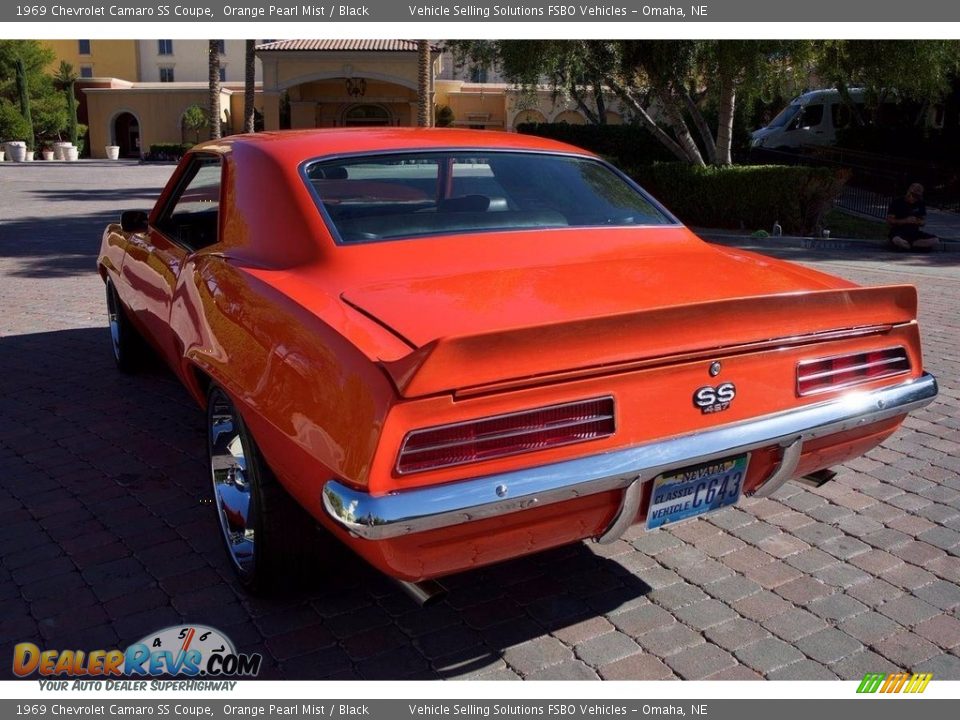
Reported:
(714, 399)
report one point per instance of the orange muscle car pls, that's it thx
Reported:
(447, 348)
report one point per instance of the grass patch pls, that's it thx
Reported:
(844, 225)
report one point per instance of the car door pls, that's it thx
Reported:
(188, 221)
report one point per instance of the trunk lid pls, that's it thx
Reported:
(475, 329)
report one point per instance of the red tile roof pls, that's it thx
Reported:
(346, 45)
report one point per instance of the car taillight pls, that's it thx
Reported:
(815, 376)
(503, 435)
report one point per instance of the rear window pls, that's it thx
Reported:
(386, 197)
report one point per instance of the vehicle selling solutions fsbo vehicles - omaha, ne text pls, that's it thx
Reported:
(449, 348)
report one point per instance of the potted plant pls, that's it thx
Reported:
(47, 151)
(113, 152)
(14, 128)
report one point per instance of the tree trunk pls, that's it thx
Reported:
(424, 109)
(214, 101)
(702, 127)
(601, 101)
(648, 122)
(680, 130)
(577, 97)
(249, 85)
(728, 102)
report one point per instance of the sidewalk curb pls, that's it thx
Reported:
(810, 243)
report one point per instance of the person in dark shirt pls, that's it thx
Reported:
(905, 217)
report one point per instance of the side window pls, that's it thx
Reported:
(191, 217)
(812, 116)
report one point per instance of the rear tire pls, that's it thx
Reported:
(271, 541)
(126, 342)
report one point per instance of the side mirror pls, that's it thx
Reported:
(133, 220)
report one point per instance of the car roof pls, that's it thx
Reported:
(302, 144)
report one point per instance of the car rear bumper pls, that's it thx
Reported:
(418, 510)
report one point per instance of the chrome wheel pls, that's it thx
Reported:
(113, 317)
(232, 486)
(125, 342)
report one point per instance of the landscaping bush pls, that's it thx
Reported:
(623, 144)
(747, 197)
(168, 151)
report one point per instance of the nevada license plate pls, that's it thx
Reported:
(692, 491)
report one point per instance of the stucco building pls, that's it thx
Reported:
(301, 84)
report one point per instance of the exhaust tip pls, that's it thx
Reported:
(423, 593)
(818, 478)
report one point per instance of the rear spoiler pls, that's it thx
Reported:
(609, 343)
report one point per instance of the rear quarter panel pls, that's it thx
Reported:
(314, 403)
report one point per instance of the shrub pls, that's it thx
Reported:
(168, 151)
(744, 196)
(623, 144)
(12, 124)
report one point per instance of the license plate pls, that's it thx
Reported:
(692, 491)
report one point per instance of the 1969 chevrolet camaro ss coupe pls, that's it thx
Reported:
(447, 348)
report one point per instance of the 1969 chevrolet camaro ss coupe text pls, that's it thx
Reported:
(448, 348)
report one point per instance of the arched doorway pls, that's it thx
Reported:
(571, 117)
(366, 116)
(529, 116)
(126, 134)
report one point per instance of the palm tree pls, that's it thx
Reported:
(214, 103)
(249, 82)
(424, 100)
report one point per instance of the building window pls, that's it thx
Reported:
(478, 75)
(83, 47)
(164, 47)
(166, 74)
(223, 74)
(86, 71)
(221, 46)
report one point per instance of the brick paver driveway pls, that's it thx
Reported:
(105, 534)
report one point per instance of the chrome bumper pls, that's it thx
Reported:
(412, 511)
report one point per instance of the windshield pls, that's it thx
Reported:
(785, 116)
(386, 197)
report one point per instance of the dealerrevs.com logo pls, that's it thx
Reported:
(192, 651)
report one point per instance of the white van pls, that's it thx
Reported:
(810, 119)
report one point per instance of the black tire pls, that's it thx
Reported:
(271, 541)
(127, 345)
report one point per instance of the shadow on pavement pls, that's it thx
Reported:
(148, 194)
(107, 534)
(54, 246)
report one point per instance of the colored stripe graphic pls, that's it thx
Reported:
(895, 682)
(871, 682)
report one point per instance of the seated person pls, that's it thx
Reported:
(905, 217)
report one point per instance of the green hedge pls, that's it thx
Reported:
(168, 151)
(746, 197)
(622, 144)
